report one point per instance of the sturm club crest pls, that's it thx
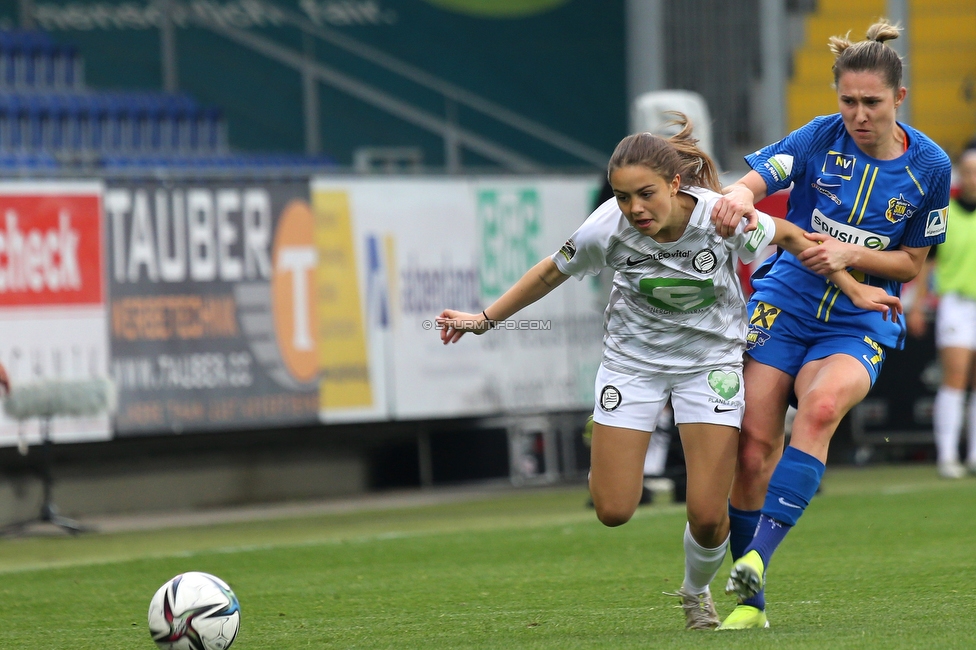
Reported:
(704, 261)
(609, 398)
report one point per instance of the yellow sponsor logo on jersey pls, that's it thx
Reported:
(764, 314)
(840, 164)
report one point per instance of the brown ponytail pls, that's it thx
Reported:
(668, 157)
(870, 55)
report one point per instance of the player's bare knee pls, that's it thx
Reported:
(709, 530)
(754, 459)
(821, 410)
(612, 515)
(757, 447)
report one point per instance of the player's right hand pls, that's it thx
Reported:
(728, 211)
(877, 299)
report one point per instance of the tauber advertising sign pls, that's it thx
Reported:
(212, 291)
(52, 297)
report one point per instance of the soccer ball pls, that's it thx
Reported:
(194, 611)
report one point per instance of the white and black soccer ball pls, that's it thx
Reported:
(194, 611)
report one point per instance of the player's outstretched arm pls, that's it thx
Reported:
(900, 264)
(867, 297)
(791, 237)
(536, 283)
(739, 201)
(796, 240)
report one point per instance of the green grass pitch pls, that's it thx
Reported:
(884, 558)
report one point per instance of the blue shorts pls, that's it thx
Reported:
(783, 341)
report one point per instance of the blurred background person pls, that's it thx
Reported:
(951, 270)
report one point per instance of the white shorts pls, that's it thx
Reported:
(955, 322)
(715, 396)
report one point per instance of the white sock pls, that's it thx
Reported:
(701, 564)
(971, 431)
(947, 422)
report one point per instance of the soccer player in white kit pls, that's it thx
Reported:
(674, 327)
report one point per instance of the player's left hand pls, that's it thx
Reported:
(735, 205)
(4, 381)
(877, 299)
(827, 256)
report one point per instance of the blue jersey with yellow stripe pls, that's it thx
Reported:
(841, 191)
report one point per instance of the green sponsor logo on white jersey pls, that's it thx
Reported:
(678, 294)
(758, 235)
(725, 384)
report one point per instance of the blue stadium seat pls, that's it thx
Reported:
(66, 68)
(33, 130)
(7, 48)
(207, 136)
(73, 126)
(112, 111)
(46, 115)
(31, 60)
(27, 162)
(238, 161)
(8, 121)
(177, 112)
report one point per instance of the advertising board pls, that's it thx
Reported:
(52, 297)
(211, 293)
(425, 244)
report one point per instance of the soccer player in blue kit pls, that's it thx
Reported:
(873, 193)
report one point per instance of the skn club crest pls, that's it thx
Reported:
(899, 209)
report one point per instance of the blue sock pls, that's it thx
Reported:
(794, 482)
(742, 528)
(769, 534)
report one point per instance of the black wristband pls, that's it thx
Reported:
(491, 323)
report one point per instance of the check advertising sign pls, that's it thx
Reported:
(52, 296)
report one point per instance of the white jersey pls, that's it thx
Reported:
(674, 307)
